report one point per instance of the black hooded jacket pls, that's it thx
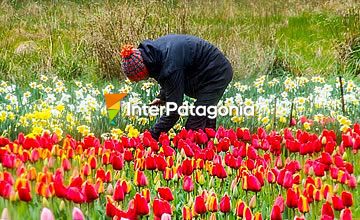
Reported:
(184, 65)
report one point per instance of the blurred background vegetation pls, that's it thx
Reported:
(81, 39)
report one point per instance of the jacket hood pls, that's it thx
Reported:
(152, 57)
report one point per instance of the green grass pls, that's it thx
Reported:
(81, 38)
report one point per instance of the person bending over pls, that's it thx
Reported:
(182, 65)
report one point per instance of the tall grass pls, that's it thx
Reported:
(82, 38)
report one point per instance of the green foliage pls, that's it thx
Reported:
(82, 38)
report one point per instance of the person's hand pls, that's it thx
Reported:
(157, 102)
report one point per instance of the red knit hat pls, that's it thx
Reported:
(132, 63)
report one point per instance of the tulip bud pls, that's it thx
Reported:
(117, 175)
(109, 189)
(213, 216)
(235, 192)
(157, 179)
(190, 201)
(228, 170)
(252, 202)
(45, 162)
(200, 177)
(336, 188)
(51, 162)
(62, 205)
(45, 202)
(323, 140)
(211, 182)
(345, 156)
(14, 197)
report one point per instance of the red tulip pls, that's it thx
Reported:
(292, 198)
(253, 184)
(117, 162)
(24, 194)
(165, 193)
(288, 180)
(346, 214)
(219, 171)
(161, 163)
(126, 186)
(187, 167)
(100, 173)
(319, 169)
(292, 122)
(128, 156)
(240, 205)
(118, 192)
(76, 182)
(150, 163)
(247, 214)
(75, 195)
(108, 176)
(303, 204)
(276, 213)
(90, 192)
(225, 204)
(352, 181)
(317, 195)
(337, 203)
(188, 184)
(86, 169)
(110, 209)
(271, 178)
(199, 205)
(161, 207)
(347, 198)
(66, 165)
(141, 206)
(146, 194)
(106, 158)
(327, 211)
(279, 201)
(140, 178)
(60, 189)
(92, 162)
(6, 189)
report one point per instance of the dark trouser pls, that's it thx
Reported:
(208, 96)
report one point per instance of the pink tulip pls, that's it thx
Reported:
(46, 214)
(5, 214)
(166, 216)
(77, 214)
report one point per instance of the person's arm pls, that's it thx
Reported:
(160, 98)
(161, 95)
(173, 88)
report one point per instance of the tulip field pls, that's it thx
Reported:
(296, 158)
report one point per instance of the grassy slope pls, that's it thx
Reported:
(81, 38)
